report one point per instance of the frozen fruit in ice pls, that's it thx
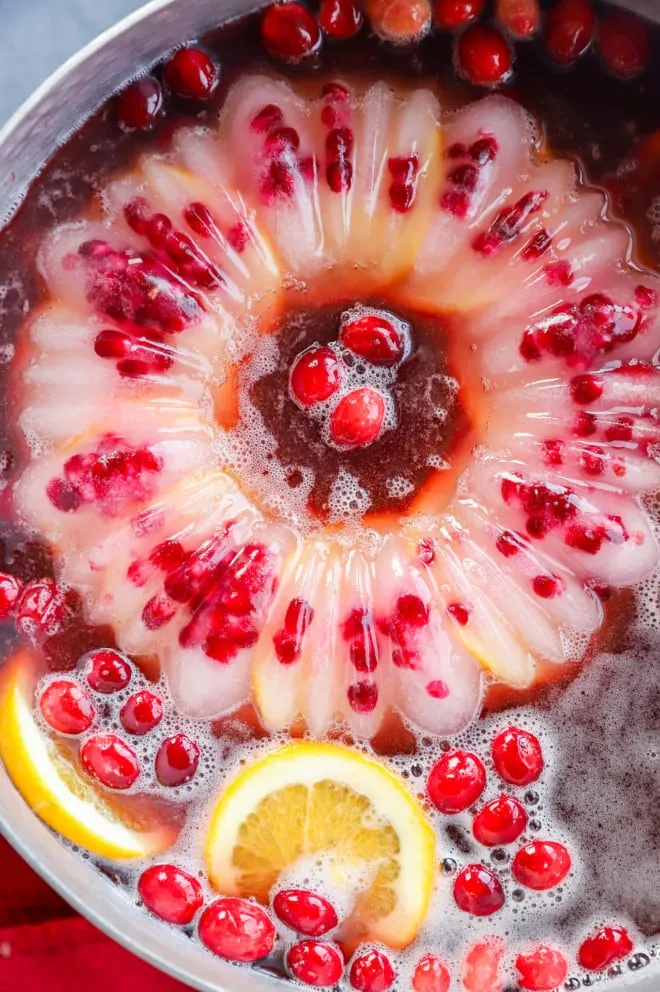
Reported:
(358, 418)
(483, 55)
(305, 912)
(478, 891)
(602, 948)
(456, 781)
(170, 893)
(66, 707)
(237, 930)
(371, 972)
(541, 865)
(315, 963)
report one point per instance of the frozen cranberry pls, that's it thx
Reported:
(501, 821)
(374, 338)
(371, 972)
(140, 105)
(314, 376)
(237, 930)
(358, 418)
(456, 781)
(623, 43)
(517, 756)
(10, 590)
(454, 14)
(431, 975)
(603, 948)
(315, 963)
(541, 865)
(110, 760)
(290, 32)
(340, 18)
(108, 671)
(542, 969)
(170, 893)
(176, 760)
(521, 18)
(66, 707)
(305, 912)
(141, 712)
(569, 29)
(191, 73)
(484, 56)
(478, 891)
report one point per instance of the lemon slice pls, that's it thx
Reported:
(52, 786)
(324, 799)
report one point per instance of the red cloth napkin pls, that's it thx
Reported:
(46, 947)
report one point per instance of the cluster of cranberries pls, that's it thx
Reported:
(190, 73)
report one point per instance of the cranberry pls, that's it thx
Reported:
(541, 865)
(371, 972)
(454, 14)
(456, 781)
(542, 969)
(141, 712)
(358, 418)
(176, 760)
(569, 29)
(478, 891)
(66, 707)
(110, 760)
(315, 963)
(10, 590)
(501, 821)
(623, 43)
(431, 975)
(108, 671)
(517, 756)
(374, 338)
(170, 893)
(41, 605)
(400, 21)
(340, 18)
(314, 376)
(305, 912)
(290, 32)
(237, 930)
(521, 18)
(481, 966)
(483, 55)
(140, 105)
(191, 73)
(603, 948)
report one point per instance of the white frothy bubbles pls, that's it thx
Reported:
(348, 500)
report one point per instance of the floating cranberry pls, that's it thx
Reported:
(42, 606)
(375, 338)
(451, 15)
(603, 948)
(431, 975)
(541, 865)
(542, 969)
(108, 671)
(517, 756)
(371, 972)
(520, 18)
(290, 32)
(110, 760)
(140, 105)
(10, 590)
(176, 760)
(66, 707)
(314, 376)
(480, 972)
(623, 42)
(456, 781)
(401, 22)
(340, 18)
(170, 893)
(141, 712)
(191, 73)
(305, 912)
(237, 930)
(358, 418)
(501, 821)
(569, 30)
(484, 56)
(478, 891)
(315, 963)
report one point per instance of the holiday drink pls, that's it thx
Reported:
(329, 504)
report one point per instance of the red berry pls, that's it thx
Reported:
(314, 376)
(141, 712)
(623, 42)
(170, 893)
(290, 32)
(191, 73)
(176, 760)
(237, 930)
(357, 420)
(603, 948)
(501, 821)
(371, 972)
(456, 781)
(315, 963)
(521, 18)
(454, 14)
(40, 605)
(542, 969)
(340, 18)
(110, 760)
(10, 590)
(517, 756)
(481, 966)
(478, 891)
(305, 912)
(541, 865)
(484, 56)
(66, 707)
(431, 975)
(141, 104)
(374, 338)
(108, 671)
(569, 29)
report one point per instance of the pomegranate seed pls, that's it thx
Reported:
(110, 760)
(315, 963)
(140, 105)
(314, 376)
(357, 420)
(290, 32)
(431, 975)
(621, 429)
(340, 18)
(426, 551)
(191, 73)
(363, 653)
(548, 586)
(478, 891)
(363, 697)
(170, 893)
(510, 543)
(521, 18)
(66, 707)
(112, 344)
(10, 590)
(280, 139)
(517, 756)
(371, 972)
(412, 611)
(603, 948)
(305, 912)
(569, 30)
(108, 671)
(176, 761)
(158, 611)
(484, 56)
(542, 969)
(437, 689)
(459, 612)
(268, 117)
(501, 821)
(454, 14)
(456, 202)
(456, 781)
(541, 865)
(374, 338)
(141, 712)
(623, 42)
(484, 150)
(237, 930)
